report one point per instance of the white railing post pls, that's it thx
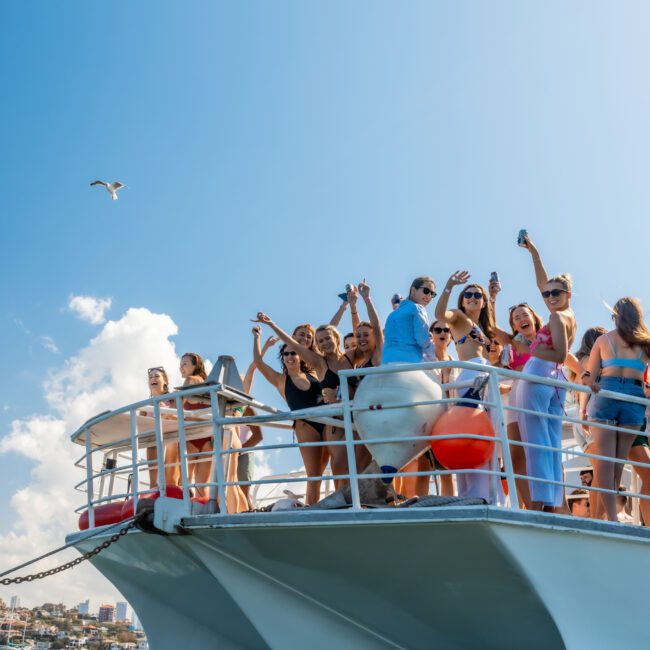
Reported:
(182, 450)
(217, 479)
(349, 444)
(135, 476)
(505, 443)
(160, 449)
(89, 481)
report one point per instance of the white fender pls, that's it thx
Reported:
(376, 392)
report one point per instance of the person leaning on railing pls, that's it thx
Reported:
(617, 363)
(549, 350)
(406, 335)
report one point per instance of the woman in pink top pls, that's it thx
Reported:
(524, 325)
(549, 350)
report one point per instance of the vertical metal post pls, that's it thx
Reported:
(135, 478)
(505, 443)
(111, 481)
(89, 481)
(636, 503)
(217, 502)
(160, 448)
(182, 450)
(349, 444)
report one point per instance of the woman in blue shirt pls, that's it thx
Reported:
(406, 335)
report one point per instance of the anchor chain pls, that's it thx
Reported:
(73, 563)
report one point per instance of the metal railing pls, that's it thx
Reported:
(129, 431)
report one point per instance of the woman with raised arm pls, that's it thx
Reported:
(524, 325)
(368, 333)
(472, 328)
(300, 389)
(549, 350)
(617, 363)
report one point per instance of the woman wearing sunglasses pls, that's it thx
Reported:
(406, 337)
(300, 389)
(441, 337)
(549, 350)
(472, 328)
(617, 363)
(524, 325)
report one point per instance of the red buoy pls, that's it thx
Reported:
(107, 513)
(463, 453)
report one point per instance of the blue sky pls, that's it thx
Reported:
(276, 151)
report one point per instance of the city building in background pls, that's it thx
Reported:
(106, 614)
(15, 602)
(84, 608)
(120, 611)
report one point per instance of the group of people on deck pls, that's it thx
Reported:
(615, 360)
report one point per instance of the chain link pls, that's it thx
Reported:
(69, 565)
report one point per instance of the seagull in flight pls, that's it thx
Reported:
(111, 188)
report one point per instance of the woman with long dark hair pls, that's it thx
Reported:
(300, 389)
(472, 328)
(193, 372)
(549, 350)
(617, 363)
(524, 323)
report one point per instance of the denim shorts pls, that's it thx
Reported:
(615, 411)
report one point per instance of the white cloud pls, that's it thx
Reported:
(48, 343)
(109, 372)
(91, 309)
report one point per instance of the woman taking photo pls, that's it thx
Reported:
(549, 350)
(300, 389)
(617, 363)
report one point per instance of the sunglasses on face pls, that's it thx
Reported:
(472, 294)
(426, 291)
(440, 330)
(553, 292)
(157, 369)
(289, 353)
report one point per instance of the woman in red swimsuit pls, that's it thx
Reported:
(193, 372)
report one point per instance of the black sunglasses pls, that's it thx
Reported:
(521, 304)
(289, 353)
(553, 292)
(156, 369)
(440, 330)
(426, 291)
(472, 294)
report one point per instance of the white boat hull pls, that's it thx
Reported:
(476, 577)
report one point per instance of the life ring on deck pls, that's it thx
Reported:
(171, 491)
(108, 513)
(463, 453)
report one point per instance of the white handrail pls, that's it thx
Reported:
(338, 415)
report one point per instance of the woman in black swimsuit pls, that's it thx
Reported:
(326, 359)
(299, 389)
